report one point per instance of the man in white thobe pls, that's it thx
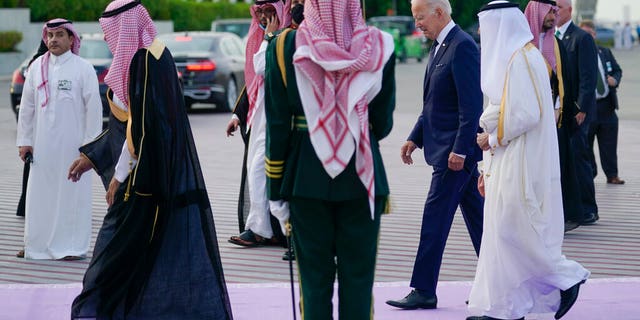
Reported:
(521, 268)
(60, 111)
(269, 16)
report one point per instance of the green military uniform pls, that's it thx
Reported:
(331, 218)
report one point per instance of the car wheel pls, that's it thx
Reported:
(403, 56)
(231, 95)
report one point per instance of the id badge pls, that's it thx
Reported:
(64, 85)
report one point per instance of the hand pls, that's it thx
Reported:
(456, 163)
(280, 210)
(111, 192)
(232, 126)
(406, 150)
(611, 81)
(78, 167)
(482, 139)
(23, 150)
(272, 24)
(580, 118)
(481, 185)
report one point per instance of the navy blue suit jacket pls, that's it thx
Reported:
(452, 102)
(582, 65)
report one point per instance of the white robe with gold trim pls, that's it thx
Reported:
(521, 268)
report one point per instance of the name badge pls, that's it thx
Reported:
(64, 85)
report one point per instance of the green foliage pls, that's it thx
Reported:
(75, 10)
(9, 3)
(186, 15)
(198, 15)
(464, 12)
(9, 40)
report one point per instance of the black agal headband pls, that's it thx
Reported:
(53, 25)
(120, 10)
(499, 5)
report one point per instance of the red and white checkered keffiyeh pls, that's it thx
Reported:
(125, 33)
(256, 35)
(535, 13)
(339, 63)
(44, 66)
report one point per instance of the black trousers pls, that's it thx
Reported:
(605, 127)
(584, 169)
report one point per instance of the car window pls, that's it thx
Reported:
(239, 28)
(235, 46)
(187, 44)
(95, 49)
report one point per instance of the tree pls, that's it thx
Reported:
(464, 12)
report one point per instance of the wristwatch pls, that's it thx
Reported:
(269, 36)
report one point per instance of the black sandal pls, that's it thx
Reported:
(248, 239)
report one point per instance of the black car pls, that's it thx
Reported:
(211, 66)
(94, 49)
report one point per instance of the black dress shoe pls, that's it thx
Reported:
(415, 300)
(567, 299)
(486, 318)
(590, 218)
(570, 225)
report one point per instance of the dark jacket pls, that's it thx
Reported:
(452, 102)
(612, 68)
(582, 70)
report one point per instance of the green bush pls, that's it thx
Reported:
(9, 40)
(8, 3)
(198, 16)
(44, 10)
(186, 15)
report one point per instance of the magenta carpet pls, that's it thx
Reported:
(604, 299)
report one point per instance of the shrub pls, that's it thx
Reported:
(192, 16)
(44, 10)
(9, 40)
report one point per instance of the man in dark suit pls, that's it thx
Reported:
(582, 67)
(542, 16)
(446, 130)
(606, 124)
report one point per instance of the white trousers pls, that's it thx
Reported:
(258, 220)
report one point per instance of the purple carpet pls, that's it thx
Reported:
(605, 299)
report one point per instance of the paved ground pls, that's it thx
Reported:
(610, 249)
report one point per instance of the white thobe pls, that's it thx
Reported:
(521, 268)
(258, 219)
(58, 211)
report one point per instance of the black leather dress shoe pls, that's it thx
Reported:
(567, 299)
(486, 318)
(415, 300)
(590, 218)
(570, 225)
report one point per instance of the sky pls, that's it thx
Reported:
(614, 10)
